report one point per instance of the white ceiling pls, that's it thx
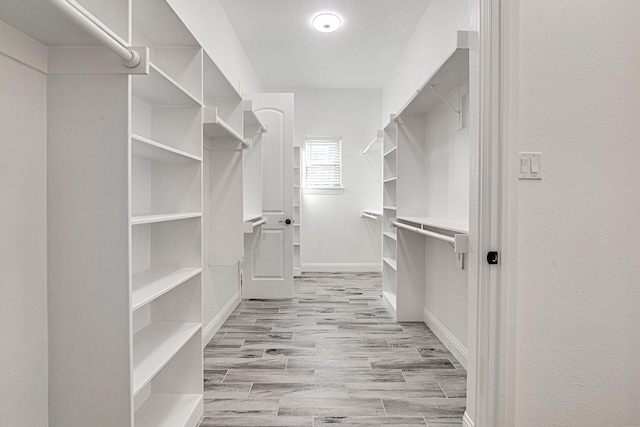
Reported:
(287, 53)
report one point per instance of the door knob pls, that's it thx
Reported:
(286, 221)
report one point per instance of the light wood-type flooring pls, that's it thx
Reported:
(331, 355)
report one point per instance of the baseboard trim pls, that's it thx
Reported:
(466, 420)
(219, 320)
(342, 267)
(449, 340)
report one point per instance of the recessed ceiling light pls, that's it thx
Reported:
(326, 22)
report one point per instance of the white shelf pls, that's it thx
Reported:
(154, 346)
(152, 218)
(158, 88)
(454, 72)
(168, 410)
(145, 148)
(439, 223)
(390, 208)
(216, 128)
(391, 262)
(151, 284)
(160, 25)
(392, 236)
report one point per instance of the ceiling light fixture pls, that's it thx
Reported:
(326, 22)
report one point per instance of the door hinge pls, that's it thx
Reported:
(492, 257)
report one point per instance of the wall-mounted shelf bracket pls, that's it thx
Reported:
(461, 243)
(445, 97)
(379, 138)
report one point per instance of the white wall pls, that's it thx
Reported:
(334, 237)
(578, 313)
(23, 257)
(447, 172)
(210, 25)
(433, 39)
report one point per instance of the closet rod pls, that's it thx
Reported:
(96, 28)
(424, 232)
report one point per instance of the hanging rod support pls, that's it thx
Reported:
(457, 110)
(97, 29)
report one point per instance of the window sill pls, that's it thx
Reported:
(323, 191)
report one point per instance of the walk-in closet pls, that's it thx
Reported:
(307, 213)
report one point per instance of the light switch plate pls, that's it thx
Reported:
(530, 166)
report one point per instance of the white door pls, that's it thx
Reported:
(268, 268)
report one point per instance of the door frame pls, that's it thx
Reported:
(492, 380)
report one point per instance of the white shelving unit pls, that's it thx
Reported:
(419, 187)
(297, 211)
(125, 177)
(389, 213)
(166, 221)
(139, 162)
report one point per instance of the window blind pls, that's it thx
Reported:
(323, 163)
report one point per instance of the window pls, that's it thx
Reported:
(323, 165)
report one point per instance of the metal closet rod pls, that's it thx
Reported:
(93, 26)
(424, 232)
(368, 215)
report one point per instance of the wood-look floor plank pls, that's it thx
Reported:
(331, 355)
